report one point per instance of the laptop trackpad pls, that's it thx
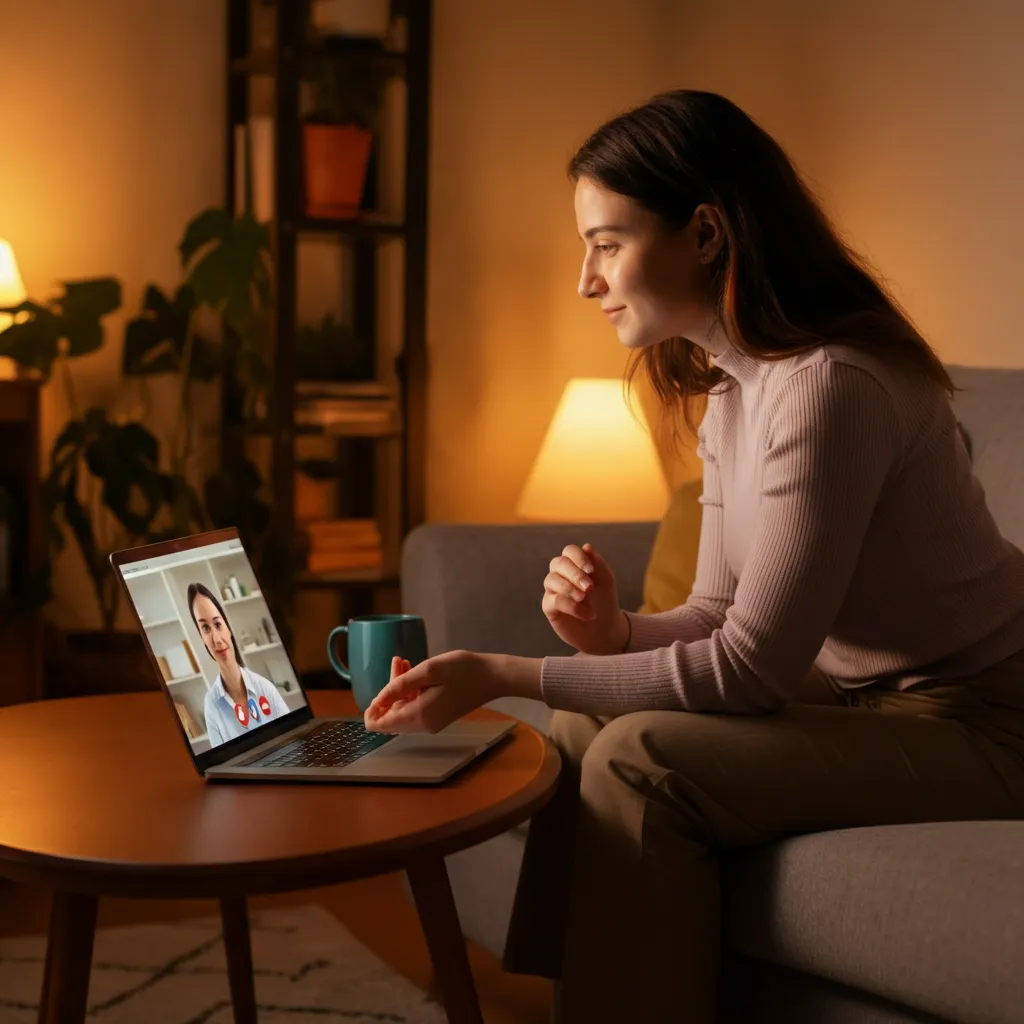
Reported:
(437, 747)
(421, 755)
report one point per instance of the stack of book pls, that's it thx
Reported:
(339, 545)
(347, 407)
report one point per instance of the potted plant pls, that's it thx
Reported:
(338, 132)
(331, 351)
(107, 485)
(104, 488)
(361, 18)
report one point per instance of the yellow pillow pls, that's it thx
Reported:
(673, 563)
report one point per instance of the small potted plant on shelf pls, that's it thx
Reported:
(359, 18)
(331, 351)
(338, 133)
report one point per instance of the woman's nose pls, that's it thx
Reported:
(591, 284)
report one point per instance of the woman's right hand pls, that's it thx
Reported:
(581, 601)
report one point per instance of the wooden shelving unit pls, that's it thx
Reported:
(380, 469)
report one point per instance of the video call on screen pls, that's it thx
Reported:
(214, 641)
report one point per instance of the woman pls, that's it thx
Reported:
(239, 699)
(846, 558)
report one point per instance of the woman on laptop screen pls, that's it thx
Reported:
(239, 699)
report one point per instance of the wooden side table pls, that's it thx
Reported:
(101, 799)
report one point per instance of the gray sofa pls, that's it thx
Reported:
(914, 923)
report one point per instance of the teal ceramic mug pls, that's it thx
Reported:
(373, 640)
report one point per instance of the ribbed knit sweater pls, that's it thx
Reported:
(842, 526)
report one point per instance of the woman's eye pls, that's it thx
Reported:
(606, 248)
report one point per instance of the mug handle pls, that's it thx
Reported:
(338, 666)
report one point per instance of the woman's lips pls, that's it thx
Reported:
(220, 651)
(613, 312)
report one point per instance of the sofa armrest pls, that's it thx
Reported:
(479, 587)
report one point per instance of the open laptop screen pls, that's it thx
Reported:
(211, 636)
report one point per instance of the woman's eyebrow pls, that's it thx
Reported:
(603, 228)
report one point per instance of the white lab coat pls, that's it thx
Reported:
(222, 723)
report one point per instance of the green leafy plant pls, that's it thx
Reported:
(104, 485)
(67, 325)
(227, 279)
(107, 486)
(349, 91)
(228, 270)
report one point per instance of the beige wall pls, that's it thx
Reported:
(516, 88)
(905, 116)
(113, 124)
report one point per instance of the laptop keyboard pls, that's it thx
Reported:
(331, 745)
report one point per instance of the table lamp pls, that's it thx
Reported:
(12, 293)
(597, 463)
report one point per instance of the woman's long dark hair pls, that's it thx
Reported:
(784, 281)
(194, 590)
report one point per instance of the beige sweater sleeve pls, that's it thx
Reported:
(714, 584)
(833, 438)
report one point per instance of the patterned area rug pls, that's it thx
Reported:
(308, 968)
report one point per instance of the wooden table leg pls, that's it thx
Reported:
(439, 919)
(68, 959)
(234, 915)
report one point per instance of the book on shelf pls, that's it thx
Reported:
(365, 389)
(327, 412)
(358, 531)
(340, 561)
(179, 661)
(192, 729)
(342, 544)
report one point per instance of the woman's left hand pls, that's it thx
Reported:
(431, 695)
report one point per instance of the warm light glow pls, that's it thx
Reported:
(12, 291)
(597, 463)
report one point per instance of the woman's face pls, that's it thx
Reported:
(649, 279)
(214, 630)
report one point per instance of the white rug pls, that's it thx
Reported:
(308, 968)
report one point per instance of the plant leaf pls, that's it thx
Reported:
(232, 499)
(82, 306)
(154, 341)
(201, 230)
(232, 276)
(76, 518)
(33, 343)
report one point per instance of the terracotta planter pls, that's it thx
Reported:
(336, 156)
(352, 17)
(82, 663)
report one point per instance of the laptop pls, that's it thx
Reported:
(234, 692)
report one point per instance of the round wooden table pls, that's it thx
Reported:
(100, 798)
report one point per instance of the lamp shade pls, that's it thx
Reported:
(12, 291)
(597, 463)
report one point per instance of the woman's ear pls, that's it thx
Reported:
(710, 234)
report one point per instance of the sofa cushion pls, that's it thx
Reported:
(928, 915)
(672, 567)
(991, 409)
(756, 992)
